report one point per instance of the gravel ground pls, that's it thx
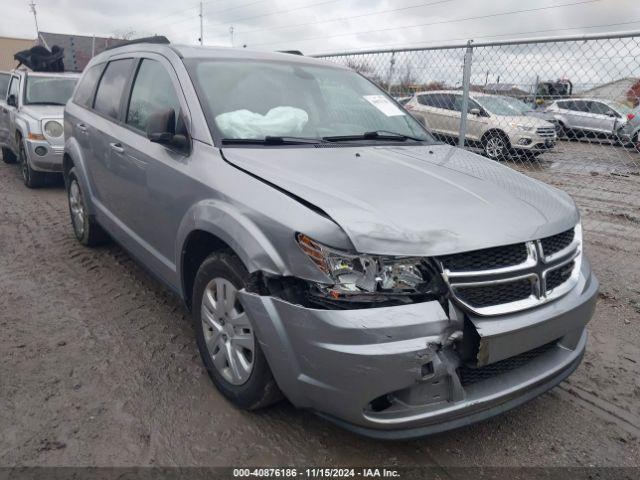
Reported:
(99, 363)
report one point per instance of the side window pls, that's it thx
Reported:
(111, 87)
(152, 91)
(426, 100)
(447, 101)
(600, 108)
(581, 106)
(87, 86)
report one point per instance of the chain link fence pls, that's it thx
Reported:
(563, 110)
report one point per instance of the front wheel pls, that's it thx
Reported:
(30, 177)
(226, 335)
(496, 146)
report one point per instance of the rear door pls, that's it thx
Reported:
(103, 137)
(603, 118)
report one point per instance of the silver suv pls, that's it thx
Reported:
(589, 116)
(31, 111)
(500, 127)
(328, 248)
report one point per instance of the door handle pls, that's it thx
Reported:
(82, 127)
(116, 147)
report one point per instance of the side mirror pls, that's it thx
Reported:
(611, 113)
(475, 111)
(12, 100)
(161, 128)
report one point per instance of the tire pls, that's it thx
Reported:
(86, 229)
(8, 156)
(496, 146)
(226, 337)
(30, 177)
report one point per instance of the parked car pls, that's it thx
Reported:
(589, 117)
(529, 110)
(492, 123)
(328, 248)
(628, 133)
(31, 122)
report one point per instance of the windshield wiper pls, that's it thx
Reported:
(46, 103)
(272, 140)
(384, 135)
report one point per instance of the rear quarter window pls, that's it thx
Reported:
(111, 87)
(87, 86)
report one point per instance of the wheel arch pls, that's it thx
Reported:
(211, 226)
(496, 131)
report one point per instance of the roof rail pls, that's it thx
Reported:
(159, 39)
(292, 52)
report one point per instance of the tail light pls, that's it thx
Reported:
(630, 116)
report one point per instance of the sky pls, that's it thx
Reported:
(323, 26)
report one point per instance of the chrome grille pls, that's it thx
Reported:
(506, 279)
(487, 295)
(554, 244)
(546, 132)
(486, 259)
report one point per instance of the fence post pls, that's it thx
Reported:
(466, 81)
(392, 62)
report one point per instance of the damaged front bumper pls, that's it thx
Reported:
(397, 372)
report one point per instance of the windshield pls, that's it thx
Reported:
(4, 84)
(517, 105)
(48, 90)
(259, 99)
(500, 106)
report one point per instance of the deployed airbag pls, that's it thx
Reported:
(279, 121)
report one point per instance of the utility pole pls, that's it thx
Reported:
(231, 33)
(201, 39)
(32, 6)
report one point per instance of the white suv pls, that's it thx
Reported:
(498, 126)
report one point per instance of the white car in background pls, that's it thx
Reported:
(589, 116)
(501, 129)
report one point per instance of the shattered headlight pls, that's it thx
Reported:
(367, 274)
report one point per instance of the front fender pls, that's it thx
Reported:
(235, 229)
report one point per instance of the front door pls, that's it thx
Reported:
(7, 113)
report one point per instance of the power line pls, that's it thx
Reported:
(235, 20)
(462, 39)
(550, 7)
(378, 12)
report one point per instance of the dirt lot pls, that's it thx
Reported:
(99, 364)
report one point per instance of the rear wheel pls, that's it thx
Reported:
(87, 230)
(8, 156)
(30, 177)
(226, 335)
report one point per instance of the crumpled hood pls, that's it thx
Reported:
(39, 112)
(414, 200)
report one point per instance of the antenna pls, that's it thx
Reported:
(201, 40)
(231, 33)
(32, 7)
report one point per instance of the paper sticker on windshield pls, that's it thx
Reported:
(383, 104)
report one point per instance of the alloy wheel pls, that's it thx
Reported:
(494, 147)
(228, 334)
(77, 208)
(24, 167)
